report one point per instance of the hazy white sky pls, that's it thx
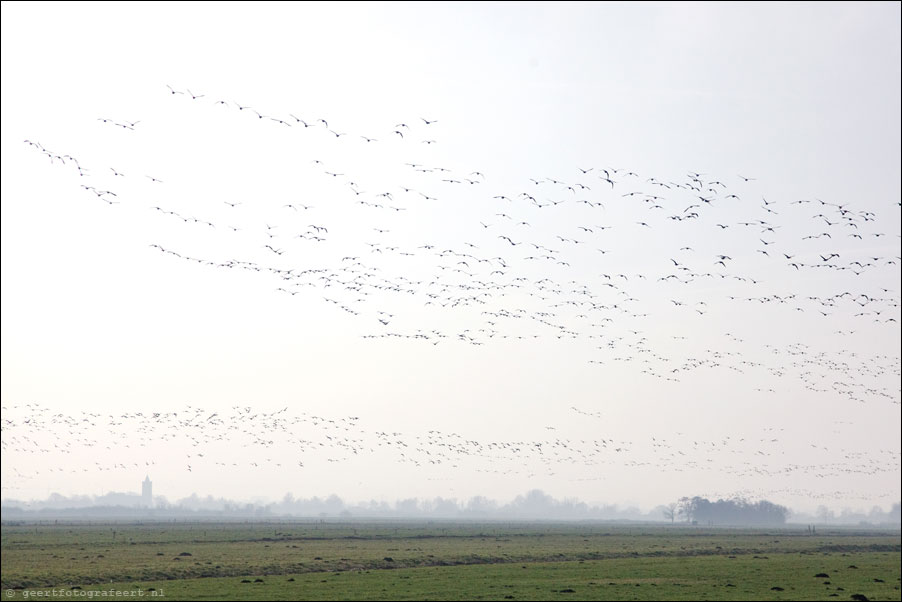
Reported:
(522, 293)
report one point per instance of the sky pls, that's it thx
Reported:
(619, 252)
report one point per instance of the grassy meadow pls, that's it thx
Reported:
(444, 561)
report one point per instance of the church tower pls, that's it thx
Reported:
(147, 492)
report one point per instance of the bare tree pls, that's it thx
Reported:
(686, 508)
(670, 511)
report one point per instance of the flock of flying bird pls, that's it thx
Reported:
(285, 443)
(623, 267)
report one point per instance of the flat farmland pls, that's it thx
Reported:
(451, 561)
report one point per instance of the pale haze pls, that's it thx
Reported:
(622, 253)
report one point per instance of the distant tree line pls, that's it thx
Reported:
(533, 505)
(731, 512)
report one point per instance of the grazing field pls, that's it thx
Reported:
(451, 561)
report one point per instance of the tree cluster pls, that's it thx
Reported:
(731, 512)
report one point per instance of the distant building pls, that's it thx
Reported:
(147, 492)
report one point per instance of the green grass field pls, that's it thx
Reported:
(444, 561)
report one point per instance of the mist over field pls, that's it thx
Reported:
(534, 505)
